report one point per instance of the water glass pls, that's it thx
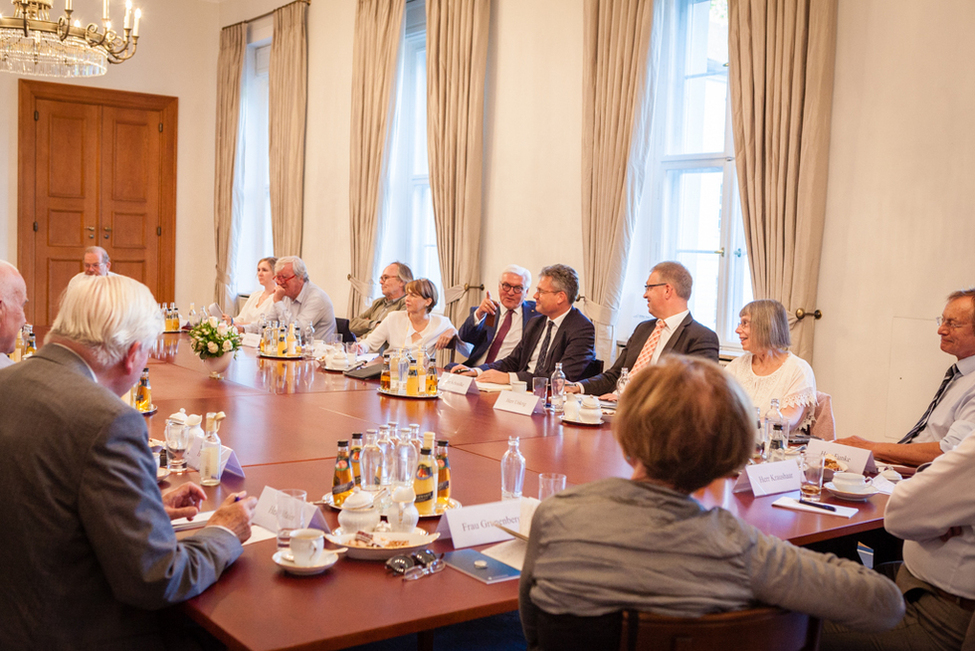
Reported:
(290, 514)
(177, 440)
(812, 476)
(540, 389)
(549, 484)
(351, 353)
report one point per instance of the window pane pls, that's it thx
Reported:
(701, 83)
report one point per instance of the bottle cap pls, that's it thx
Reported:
(424, 450)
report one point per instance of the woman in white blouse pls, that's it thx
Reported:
(415, 326)
(258, 301)
(767, 369)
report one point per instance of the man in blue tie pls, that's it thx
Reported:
(560, 334)
(951, 415)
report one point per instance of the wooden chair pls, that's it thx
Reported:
(757, 629)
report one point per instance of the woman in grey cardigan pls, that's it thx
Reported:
(644, 543)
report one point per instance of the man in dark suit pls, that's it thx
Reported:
(88, 548)
(560, 333)
(672, 330)
(508, 318)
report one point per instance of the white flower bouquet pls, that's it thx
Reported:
(213, 338)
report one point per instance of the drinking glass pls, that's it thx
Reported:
(540, 389)
(812, 476)
(177, 440)
(549, 484)
(290, 514)
(351, 352)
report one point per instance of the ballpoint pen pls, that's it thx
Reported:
(825, 507)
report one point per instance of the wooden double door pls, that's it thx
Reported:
(96, 168)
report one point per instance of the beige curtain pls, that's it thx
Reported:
(457, 38)
(287, 101)
(226, 218)
(378, 31)
(616, 106)
(781, 72)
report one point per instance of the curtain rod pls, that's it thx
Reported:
(267, 13)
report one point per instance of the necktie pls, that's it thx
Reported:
(949, 376)
(499, 338)
(542, 352)
(650, 347)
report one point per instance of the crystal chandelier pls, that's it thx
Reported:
(32, 44)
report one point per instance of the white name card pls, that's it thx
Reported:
(474, 525)
(266, 513)
(250, 339)
(770, 478)
(228, 458)
(456, 383)
(858, 459)
(516, 402)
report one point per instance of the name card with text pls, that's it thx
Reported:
(266, 513)
(770, 478)
(250, 339)
(228, 458)
(516, 402)
(858, 459)
(474, 525)
(456, 383)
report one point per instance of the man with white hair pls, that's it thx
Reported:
(89, 550)
(298, 299)
(495, 328)
(13, 298)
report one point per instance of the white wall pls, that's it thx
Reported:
(900, 205)
(187, 72)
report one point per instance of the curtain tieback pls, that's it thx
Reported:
(223, 277)
(359, 286)
(454, 293)
(599, 313)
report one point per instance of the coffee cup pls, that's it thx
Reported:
(519, 386)
(850, 482)
(306, 546)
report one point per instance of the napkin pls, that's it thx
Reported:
(793, 503)
(490, 387)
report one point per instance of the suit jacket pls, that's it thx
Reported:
(88, 550)
(689, 338)
(572, 344)
(480, 335)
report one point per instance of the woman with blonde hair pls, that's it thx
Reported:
(768, 370)
(645, 543)
(257, 302)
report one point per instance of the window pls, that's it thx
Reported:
(408, 233)
(690, 211)
(252, 181)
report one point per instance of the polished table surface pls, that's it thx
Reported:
(284, 419)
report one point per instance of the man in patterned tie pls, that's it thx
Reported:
(951, 415)
(672, 330)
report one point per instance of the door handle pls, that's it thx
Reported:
(108, 229)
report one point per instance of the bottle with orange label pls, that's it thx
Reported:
(355, 452)
(343, 480)
(443, 476)
(425, 484)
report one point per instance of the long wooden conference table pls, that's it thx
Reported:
(284, 419)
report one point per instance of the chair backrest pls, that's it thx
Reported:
(755, 629)
(342, 328)
(824, 425)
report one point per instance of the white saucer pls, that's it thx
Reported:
(284, 560)
(858, 496)
(162, 473)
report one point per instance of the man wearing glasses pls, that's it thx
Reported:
(560, 334)
(299, 300)
(672, 330)
(494, 328)
(393, 283)
(950, 417)
(96, 262)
